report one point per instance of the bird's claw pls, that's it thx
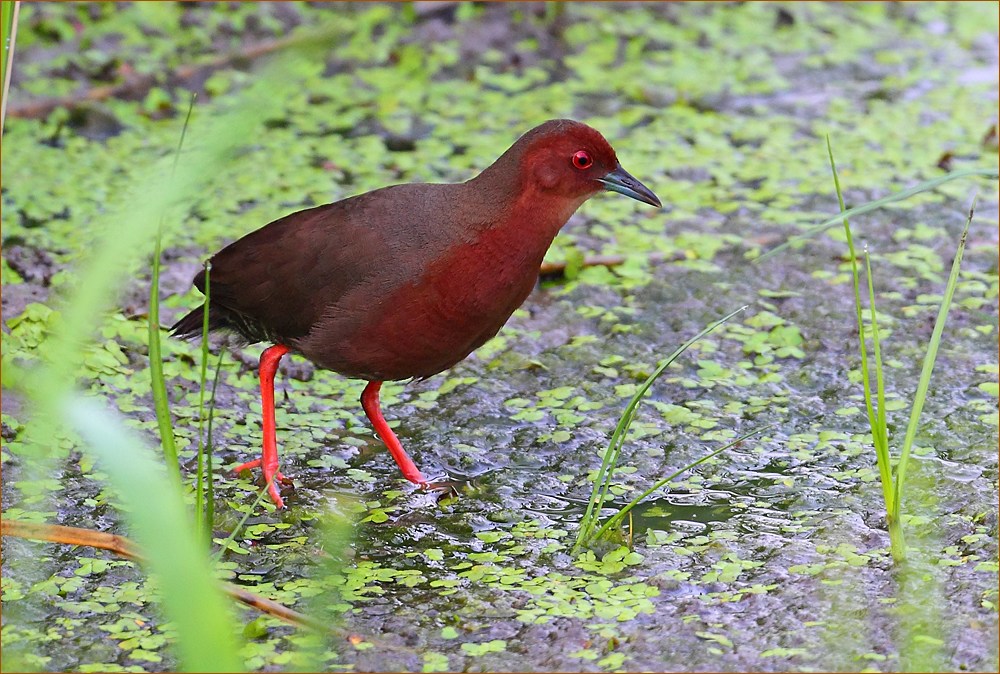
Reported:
(272, 478)
(445, 488)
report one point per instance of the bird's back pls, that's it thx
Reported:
(276, 283)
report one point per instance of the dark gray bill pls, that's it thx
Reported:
(622, 182)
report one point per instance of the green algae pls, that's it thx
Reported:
(722, 111)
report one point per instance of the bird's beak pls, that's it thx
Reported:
(622, 182)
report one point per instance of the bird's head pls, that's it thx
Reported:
(572, 160)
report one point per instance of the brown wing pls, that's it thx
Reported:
(276, 282)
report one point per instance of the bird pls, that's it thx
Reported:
(404, 281)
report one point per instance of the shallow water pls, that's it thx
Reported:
(771, 556)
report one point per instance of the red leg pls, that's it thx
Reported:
(268, 460)
(369, 401)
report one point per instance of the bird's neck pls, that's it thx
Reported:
(512, 241)
(519, 205)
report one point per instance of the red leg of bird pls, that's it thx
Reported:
(369, 401)
(268, 460)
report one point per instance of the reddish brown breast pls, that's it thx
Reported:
(458, 301)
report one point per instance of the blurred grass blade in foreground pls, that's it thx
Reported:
(206, 631)
(9, 12)
(206, 626)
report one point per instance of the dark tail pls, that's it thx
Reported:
(242, 330)
(191, 325)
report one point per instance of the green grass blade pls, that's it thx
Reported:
(121, 246)
(879, 439)
(602, 480)
(608, 464)
(184, 130)
(928, 367)
(210, 485)
(880, 419)
(217, 557)
(9, 12)
(879, 203)
(620, 515)
(7, 24)
(205, 526)
(158, 383)
(191, 598)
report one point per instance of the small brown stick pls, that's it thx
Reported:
(123, 547)
(273, 608)
(141, 84)
(55, 533)
(559, 268)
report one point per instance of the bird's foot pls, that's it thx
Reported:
(272, 478)
(446, 489)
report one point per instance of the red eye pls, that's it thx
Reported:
(582, 160)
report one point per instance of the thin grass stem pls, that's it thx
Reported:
(210, 485)
(158, 384)
(217, 557)
(627, 510)
(602, 481)
(199, 505)
(880, 431)
(9, 19)
(928, 366)
(879, 203)
(184, 129)
(879, 440)
(880, 411)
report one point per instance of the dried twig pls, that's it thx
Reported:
(559, 268)
(136, 85)
(55, 533)
(123, 547)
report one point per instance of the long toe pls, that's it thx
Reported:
(249, 465)
(275, 495)
(273, 478)
(444, 488)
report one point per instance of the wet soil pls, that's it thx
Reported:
(773, 556)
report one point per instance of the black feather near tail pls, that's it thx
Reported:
(192, 324)
(246, 331)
